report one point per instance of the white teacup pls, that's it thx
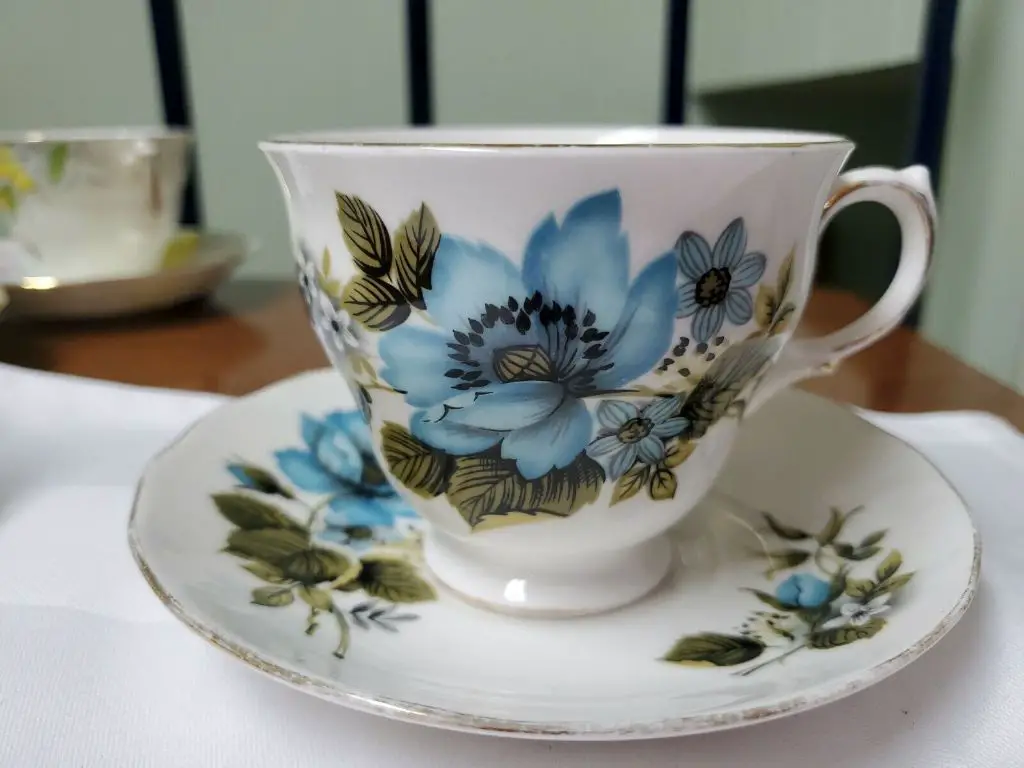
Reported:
(556, 332)
(83, 204)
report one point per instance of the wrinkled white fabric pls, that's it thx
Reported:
(94, 672)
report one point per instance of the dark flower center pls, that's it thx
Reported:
(713, 287)
(635, 430)
(558, 346)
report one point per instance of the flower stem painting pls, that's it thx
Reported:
(841, 597)
(534, 381)
(330, 532)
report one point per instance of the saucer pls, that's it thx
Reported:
(194, 264)
(829, 556)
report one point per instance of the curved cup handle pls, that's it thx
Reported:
(907, 193)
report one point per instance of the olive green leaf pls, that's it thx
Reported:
(314, 566)
(415, 245)
(872, 538)
(860, 589)
(262, 480)
(265, 571)
(837, 585)
(630, 483)
(784, 531)
(677, 453)
(663, 484)
(766, 303)
(784, 559)
(269, 545)
(523, 362)
(57, 161)
(252, 514)
(372, 474)
(8, 202)
(315, 597)
(713, 649)
(717, 393)
(420, 468)
(365, 235)
(376, 305)
(274, 597)
(863, 553)
(832, 528)
(824, 639)
(328, 285)
(394, 580)
(888, 567)
(771, 600)
(894, 584)
(482, 486)
(786, 274)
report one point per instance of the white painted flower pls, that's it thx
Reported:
(859, 614)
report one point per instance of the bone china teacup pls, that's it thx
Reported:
(555, 333)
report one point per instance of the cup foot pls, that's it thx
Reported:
(532, 588)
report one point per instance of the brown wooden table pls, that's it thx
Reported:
(254, 333)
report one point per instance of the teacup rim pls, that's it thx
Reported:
(587, 137)
(93, 134)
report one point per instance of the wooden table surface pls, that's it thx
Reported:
(254, 333)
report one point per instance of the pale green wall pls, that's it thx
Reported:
(975, 305)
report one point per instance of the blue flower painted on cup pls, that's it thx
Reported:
(716, 282)
(803, 590)
(515, 352)
(629, 434)
(338, 461)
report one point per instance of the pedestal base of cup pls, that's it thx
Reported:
(529, 587)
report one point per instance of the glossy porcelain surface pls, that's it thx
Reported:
(555, 333)
(88, 204)
(806, 575)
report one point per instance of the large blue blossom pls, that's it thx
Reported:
(715, 284)
(515, 351)
(338, 460)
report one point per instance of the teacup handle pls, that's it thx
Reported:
(907, 193)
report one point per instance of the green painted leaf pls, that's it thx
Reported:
(269, 545)
(717, 393)
(57, 162)
(265, 571)
(316, 598)
(8, 202)
(525, 362)
(837, 584)
(252, 514)
(678, 452)
(765, 305)
(314, 566)
(831, 638)
(631, 482)
(325, 262)
(663, 484)
(895, 583)
(783, 531)
(365, 235)
(394, 580)
(812, 617)
(273, 597)
(783, 559)
(484, 486)
(832, 528)
(771, 600)
(844, 549)
(872, 538)
(415, 245)
(863, 553)
(420, 468)
(714, 649)
(376, 305)
(888, 567)
(860, 589)
(786, 274)
(262, 480)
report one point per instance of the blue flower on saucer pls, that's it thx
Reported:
(338, 460)
(803, 591)
(716, 283)
(515, 351)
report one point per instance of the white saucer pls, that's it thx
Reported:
(721, 644)
(195, 263)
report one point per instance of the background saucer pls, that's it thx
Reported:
(195, 263)
(656, 668)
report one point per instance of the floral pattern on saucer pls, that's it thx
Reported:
(526, 378)
(837, 601)
(334, 531)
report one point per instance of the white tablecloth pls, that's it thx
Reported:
(95, 672)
